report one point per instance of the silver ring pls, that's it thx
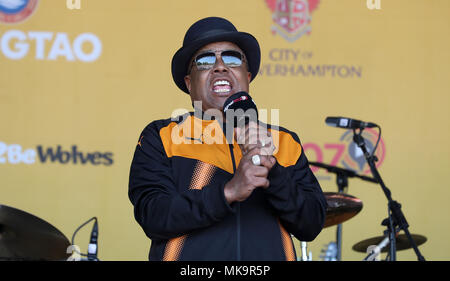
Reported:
(256, 160)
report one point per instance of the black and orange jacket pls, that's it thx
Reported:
(176, 185)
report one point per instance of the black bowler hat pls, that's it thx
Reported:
(210, 30)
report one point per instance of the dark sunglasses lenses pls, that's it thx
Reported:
(229, 58)
(205, 61)
(232, 58)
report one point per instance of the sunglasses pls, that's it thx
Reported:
(207, 60)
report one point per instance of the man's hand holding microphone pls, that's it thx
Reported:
(257, 148)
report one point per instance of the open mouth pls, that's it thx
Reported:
(222, 87)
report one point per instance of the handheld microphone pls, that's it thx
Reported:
(240, 109)
(93, 244)
(347, 123)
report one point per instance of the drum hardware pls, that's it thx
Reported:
(329, 252)
(396, 217)
(402, 243)
(26, 237)
(341, 206)
(381, 244)
(305, 255)
(92, 248)
(395, 214)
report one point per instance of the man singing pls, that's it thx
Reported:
(199, 196)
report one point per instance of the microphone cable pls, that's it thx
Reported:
(378, 140)
(75, 233)
(376, 144)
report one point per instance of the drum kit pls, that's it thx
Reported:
(26, 237)
(342, 207)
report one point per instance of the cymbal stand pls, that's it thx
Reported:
(342, 183)
(342, 176)
(387, 237)
(396, 216)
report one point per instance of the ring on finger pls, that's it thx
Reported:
(256, 160)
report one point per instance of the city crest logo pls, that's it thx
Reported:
(15, 11)
(292, 18)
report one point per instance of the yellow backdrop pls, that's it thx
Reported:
(77, 86)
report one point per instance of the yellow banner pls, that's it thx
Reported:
(81, 79)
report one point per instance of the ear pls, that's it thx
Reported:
(249, 76)
(187, 81)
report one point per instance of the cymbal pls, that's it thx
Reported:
(401, 243)
(341, 207)
(27, 237)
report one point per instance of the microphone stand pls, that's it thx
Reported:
(396, 217)
(378, 248)
(342, 176)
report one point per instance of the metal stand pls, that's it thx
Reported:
(396, 217)
(387, 238)
(342, 183)
(342, 176)
(304, 249)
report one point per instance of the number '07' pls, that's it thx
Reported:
(13, 154)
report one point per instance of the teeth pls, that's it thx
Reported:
(221, 90)
(221, 83)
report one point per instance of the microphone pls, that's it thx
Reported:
(240, 109)
(93, 245)
(347, 123)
